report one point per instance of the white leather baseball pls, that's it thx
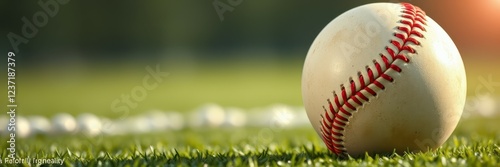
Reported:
(383, 77)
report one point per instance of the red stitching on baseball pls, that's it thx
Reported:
(337, 116)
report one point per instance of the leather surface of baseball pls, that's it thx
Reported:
(383, 77)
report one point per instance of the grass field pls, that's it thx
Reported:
(475, 143)
(240, 83)
(244, 84)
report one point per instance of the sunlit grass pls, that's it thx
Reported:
(244, 83)
(252, 147)
(239, 84)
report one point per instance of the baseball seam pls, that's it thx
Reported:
(336, 117)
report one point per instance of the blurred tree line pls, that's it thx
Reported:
(109, 29)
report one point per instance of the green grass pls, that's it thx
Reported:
(254, 147)
(245, 83)
(476, 142)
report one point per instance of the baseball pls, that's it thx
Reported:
(63, 123)
(383, 78)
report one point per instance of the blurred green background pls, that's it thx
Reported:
(92, 53)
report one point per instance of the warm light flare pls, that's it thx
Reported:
(496, 2)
